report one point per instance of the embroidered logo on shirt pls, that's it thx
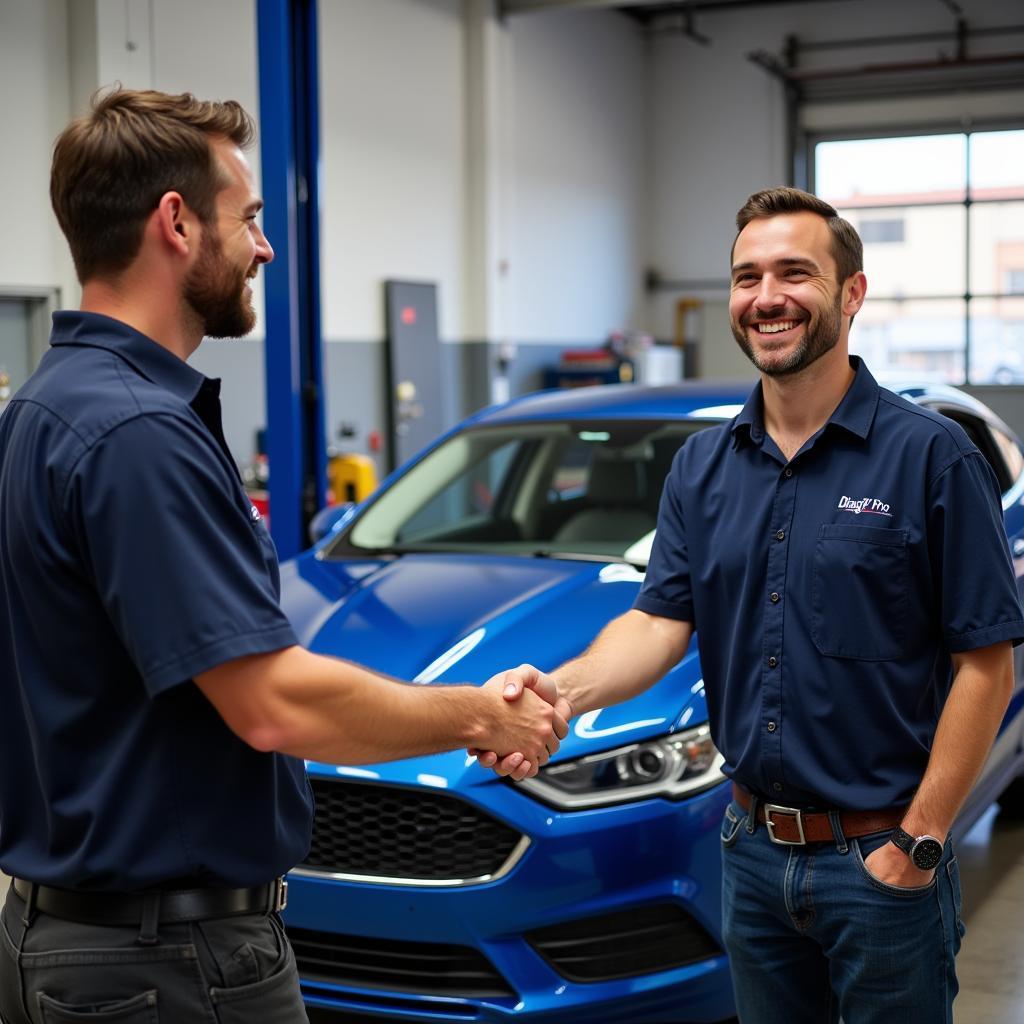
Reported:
(875, 506)
(254, 513)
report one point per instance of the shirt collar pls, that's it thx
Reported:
(855, 413)
(147, 357)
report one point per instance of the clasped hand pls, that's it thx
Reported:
(514, 682)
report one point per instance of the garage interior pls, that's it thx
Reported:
(559, 179)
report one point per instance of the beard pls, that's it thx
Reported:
(821, 334)
(215, 292)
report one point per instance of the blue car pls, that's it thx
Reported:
(435, 891)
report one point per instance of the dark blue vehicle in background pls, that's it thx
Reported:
(435, 891)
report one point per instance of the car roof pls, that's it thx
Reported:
(697, 400)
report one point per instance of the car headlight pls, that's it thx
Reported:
(671, 766)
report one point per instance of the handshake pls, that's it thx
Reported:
(528, 728)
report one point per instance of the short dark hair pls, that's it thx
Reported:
(112, 166)
(847, 248)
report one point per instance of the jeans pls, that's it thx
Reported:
(812, 935)
(229, 970)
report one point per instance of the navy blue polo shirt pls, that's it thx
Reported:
(829, 591)
(130, 561)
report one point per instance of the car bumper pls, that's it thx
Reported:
(583, 865)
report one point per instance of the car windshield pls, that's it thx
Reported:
(549, 489)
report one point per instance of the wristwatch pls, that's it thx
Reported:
(925, 852)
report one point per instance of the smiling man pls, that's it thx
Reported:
(156, 704)
(841, 554)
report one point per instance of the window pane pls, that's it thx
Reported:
(997, 248)
(997, 165)
(924, 337)
(860, 172)
(997, 341)
(900, 244)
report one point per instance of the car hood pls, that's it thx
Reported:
(436, 618)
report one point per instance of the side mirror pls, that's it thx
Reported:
(329, 520)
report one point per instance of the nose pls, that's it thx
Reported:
(264, 250)
(769, 294)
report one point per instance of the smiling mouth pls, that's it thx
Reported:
(775, 326)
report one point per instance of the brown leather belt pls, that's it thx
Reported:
(791, 826)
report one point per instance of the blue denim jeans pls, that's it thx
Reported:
(813, 936)
(229, 970)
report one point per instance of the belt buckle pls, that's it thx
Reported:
(280, 894)
(793, 812)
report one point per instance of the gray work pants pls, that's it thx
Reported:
(229, 970)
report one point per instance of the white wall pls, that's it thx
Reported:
(568, 231)
(34, 82)
(392, 110)
(577, 176)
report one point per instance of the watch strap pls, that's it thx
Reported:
(903, 840)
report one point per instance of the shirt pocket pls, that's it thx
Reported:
(859, 592)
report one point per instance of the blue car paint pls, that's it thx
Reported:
(403, 615)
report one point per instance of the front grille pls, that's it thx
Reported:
(390, 832)
(423, 968)
(624, 944)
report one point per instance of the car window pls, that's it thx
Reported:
(1011, 453)
(469, 496)
(982, 437)
(555, 488)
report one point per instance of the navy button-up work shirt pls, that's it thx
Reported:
(828, 591)
(130, 561)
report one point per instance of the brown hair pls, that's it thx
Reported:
(847, 248)
(112, 166)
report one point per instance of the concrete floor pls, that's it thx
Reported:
(991, 962)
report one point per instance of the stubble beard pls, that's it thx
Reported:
(215, 292)
(821, 335)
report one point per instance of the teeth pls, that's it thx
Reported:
(776, 326)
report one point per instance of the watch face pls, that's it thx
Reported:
(927, 853)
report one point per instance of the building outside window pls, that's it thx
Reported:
(942, 220)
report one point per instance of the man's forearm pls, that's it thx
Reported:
(629, 655)
(982, 687)
(325, 709)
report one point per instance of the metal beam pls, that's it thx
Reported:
(644, 11)
(289, 151)
(525, 6)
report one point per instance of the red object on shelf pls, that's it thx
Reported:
(578, 357)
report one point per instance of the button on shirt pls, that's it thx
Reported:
(828, 592)
(130, 561)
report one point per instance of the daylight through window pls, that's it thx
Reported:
(942, 220)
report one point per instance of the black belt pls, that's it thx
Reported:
(174, 905)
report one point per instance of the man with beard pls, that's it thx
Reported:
(841, 554)
(156, 704)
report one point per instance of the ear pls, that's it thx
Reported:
(175, 223)
(855, 288)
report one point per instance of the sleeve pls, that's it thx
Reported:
(979, 602)
(186, 577)
(666, 589)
